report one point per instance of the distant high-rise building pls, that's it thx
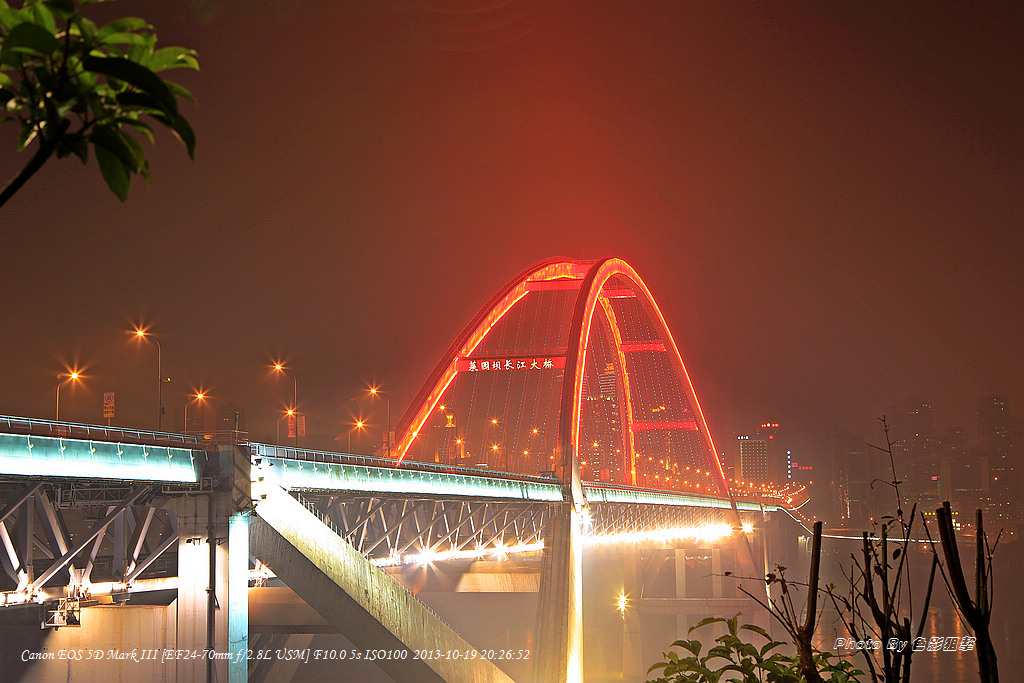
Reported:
(753, 459)
(772, 434)
(854, 467)
(1001, 438)
(602, 450)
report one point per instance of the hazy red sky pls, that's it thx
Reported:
(825, 199)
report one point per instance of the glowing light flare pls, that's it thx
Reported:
(621, 603)
(428, 557)
(705, 532)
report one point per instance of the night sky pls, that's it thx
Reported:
(824, 198)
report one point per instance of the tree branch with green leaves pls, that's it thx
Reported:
(71, 85)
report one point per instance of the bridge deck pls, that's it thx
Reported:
(40, 448)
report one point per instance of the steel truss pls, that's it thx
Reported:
(389, 527)
(615, 518)
(56, 541)
(386, 528)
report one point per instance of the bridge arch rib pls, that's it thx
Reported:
(659, 431)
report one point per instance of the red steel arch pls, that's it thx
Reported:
(598, 280)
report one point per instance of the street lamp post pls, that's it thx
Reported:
(287, 413)
(376, 392)
(198, 397)
(160, 379)
(295, 400)
(450, 423)
(357, 425)
(61, 378)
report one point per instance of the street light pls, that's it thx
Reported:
(287, 413)
(357, 425)
(295, 397)
(61, 378)
(450, 424)
(374, 391)
(143, 334)
(197, 397)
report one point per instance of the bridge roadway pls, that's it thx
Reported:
(97, 514)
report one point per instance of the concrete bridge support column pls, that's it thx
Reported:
(213, 580)
(559, 639)
(682, 620)
(633, 667)
(717, 588)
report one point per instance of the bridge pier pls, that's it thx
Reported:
(560, 603)
(633, 665)
(213, 582)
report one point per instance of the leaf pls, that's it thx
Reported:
(896, 553)
(138, 154)
(141, 126)
(122, 25)
(183, 131)
(27, 38)
(720, 651)
(114, 172)
(133, 101)
(135, 75)
(113, 142)
(756, 629)
(9, 18)
(26, 136)
(125, 38)
(73, 144)
(42, 16)
(180, 91)
(86, 29)
(172, 58)
(704, 622)
(62, 8)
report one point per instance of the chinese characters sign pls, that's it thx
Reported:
(502, 364)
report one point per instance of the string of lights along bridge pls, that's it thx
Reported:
(568, 357)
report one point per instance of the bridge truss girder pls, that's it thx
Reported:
(382, 528)
(57, 539)
(617, 518)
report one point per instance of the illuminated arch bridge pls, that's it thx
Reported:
(570, 359)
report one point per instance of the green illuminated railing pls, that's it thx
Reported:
(31, 455)
(299, 474)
